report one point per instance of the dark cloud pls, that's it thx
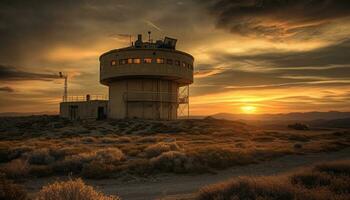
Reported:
(277, 18)
(232, 79)
(9, 73)
(6, 89)
(31, 27)
(324, 67)
(336, 54)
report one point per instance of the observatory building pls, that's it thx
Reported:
(148, 80)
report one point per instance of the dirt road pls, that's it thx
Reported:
(176, 186)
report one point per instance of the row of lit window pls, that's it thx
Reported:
(150, 60)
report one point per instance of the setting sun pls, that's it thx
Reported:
(248, 109)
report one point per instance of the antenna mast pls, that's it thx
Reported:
(149, 37)
(65, 89)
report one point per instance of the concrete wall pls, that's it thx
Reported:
(145, 90)
(180, 74)
(82, 109)
(143, 98)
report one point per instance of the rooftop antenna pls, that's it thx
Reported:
(130, 39)
(65, 90)
(149, 37)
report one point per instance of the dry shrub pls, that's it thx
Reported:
(340, 168)
(11, 191)
(89, 140)
(60, 153)
(40, 170)
(299, 137)
(311, 179)
(40, 157)
(18, 151)
(323, 182)
(72, 190)
(110, 155)
(220, 157)
(4, 153)
(75, 163)
(97, 170)
(172, 161)
(157, 149)
(109, 140)
(245, 188)
(124, 139)
(298, 146)
(17, 168)
(139, 167)
(148, 139)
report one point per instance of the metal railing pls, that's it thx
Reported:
(85, 98)
(154, 97)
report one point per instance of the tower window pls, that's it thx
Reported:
(147, 60)
(113, 62)
(129, 60)
(123, 61)
(169, 61)
(160, 60)
(184, 64)
(136, 60)
(177, 62)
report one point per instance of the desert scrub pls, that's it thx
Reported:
(109, 140)
(311, 184)
(11, 191)
(245, 188)
(4, 152)
(172, 161)
(97, 170)
(220, 157)
(17, 152)
(61, 153)
(40, 170)
(157, 149)
(72, 190)
(110, 155)
(140, 167)
(148, 139)
(75, 163)
(89, 140)
(339, 168)
(124, 139)
(17, 168)
(40, 157)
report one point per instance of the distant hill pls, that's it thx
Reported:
(297, 116)
(18, 114)
(333, 123)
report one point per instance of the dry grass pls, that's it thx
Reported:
(329, 181)
(72, 190)
(17, 168)
(11, 191)
(40, 157)
(183, 146)
(161, 147)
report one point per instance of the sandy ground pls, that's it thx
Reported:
(184, 186)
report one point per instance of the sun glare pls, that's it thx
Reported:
(248, 109)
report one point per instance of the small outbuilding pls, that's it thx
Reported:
(80, 107)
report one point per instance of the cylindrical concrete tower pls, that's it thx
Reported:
(144, 79)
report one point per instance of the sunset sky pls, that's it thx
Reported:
(251, 56)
